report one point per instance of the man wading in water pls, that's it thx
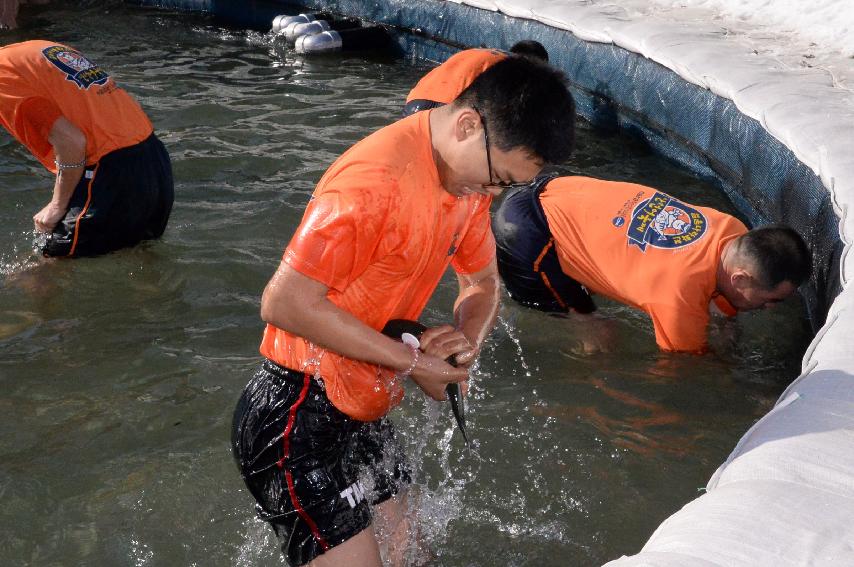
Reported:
(113, 186)
(561, 237)
(311, 435)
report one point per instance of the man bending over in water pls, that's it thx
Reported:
(113, 186)
(559, 239)
(311, 435)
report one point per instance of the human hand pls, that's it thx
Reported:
(596, 334)
(47, 218)
(433, 374)
(446, 342)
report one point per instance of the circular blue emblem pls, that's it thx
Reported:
(77, 68)
(663, 222)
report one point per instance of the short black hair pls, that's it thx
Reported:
(778, 253)
(525, 104)
(530, 48)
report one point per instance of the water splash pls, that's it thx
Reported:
(313, 358)
(258, 539)
(140, 552)
(441, 470)
(511, 334)
(22, 257)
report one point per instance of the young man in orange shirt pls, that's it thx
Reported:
(311, 435)
(113, 185)
(562, 238)
(444, 83)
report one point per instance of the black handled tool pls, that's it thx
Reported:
(395, 329)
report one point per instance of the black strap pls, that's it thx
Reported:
(420, 104)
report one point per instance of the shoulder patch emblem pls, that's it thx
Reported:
(75, 67)
(663, 222)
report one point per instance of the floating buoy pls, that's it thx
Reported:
(297, 29)
(284, 20)
(373, 37)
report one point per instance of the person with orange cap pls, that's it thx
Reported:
(444, 83)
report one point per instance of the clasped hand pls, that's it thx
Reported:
(433, 373)
(47, 218)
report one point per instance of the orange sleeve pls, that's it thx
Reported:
(33, 121)
(338, 236)
(477, 247)
(40, 115)
(724, 306)
(679, 328)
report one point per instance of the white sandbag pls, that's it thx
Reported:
(800, 526)
(482, 4)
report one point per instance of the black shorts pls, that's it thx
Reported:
(527, 259)
(123, 199)
(314, 472)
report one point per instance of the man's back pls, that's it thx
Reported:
(41, 81)
(641, 247)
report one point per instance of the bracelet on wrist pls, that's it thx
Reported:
(63, 166)
(416, 354)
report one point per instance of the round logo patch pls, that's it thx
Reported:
(75, 67)
(663, 222)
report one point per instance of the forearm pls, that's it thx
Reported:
(321, 322)
(63, 186)
(69, 148)
(476, 307)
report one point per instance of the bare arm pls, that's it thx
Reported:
(69, 146)
(476, 308)
(298, 304)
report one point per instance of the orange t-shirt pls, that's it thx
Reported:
(41, 81)
(644, 248)
(379, 231)
(445, 83)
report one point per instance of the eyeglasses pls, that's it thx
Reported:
(489, 160)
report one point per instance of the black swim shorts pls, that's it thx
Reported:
(527, 259)
(314, 472)
(123, 199)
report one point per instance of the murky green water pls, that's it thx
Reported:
(119, 375)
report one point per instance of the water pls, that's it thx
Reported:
(119, 374)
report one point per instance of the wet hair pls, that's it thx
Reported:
(778, 254)
(530, 48)
(525, 104)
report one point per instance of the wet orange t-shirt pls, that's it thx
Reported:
(644, 248)
(445, 83)
(379, 231)
(42, 80)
